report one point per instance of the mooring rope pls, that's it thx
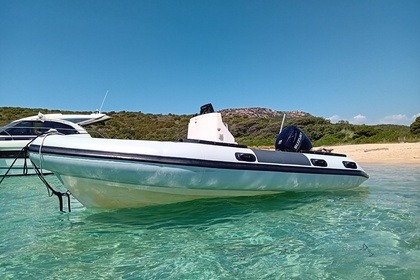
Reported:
(38, 171)
(51, 190)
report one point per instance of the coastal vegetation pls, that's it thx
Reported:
(250, 126)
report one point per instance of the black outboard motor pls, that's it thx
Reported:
(292, 139)
(206, 109)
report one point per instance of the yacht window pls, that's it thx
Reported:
(34, 128)
(60, 127)
(21, 128)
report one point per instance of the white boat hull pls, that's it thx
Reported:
(133, 173)
(107, 194)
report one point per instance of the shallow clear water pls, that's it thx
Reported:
(372, 232)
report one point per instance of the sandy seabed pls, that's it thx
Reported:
(388, 153)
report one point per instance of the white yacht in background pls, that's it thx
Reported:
(17, 134)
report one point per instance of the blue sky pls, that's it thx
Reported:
(357, 61)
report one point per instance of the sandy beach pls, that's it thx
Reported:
(389, 153)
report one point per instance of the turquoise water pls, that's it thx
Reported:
(372, 232)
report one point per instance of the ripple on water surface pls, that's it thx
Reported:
(371, 232)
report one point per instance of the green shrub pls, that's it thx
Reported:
(415, 126)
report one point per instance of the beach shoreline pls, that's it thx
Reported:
(386, 153)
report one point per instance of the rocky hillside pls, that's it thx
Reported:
(258, 112)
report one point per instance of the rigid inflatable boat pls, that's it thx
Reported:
(114, 173)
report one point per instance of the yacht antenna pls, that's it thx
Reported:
(282, 122)
(103, 101)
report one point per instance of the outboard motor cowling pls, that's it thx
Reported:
(206, 109)
(292, 139)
